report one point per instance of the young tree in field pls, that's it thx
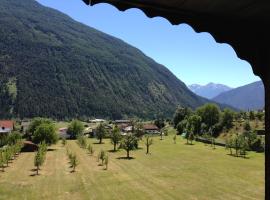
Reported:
(45, 132)
(90, 149)
(210, 114)
(243, 146)
(75, 129)
(229, 144)
(191, 137)
(129, 143)
(102, 156)
(38, 161)
(2, 160)
(106, 161)
(82, 141)
(115, 137)
(174, 139)
(236, 144)
(164, 131)
(148, 142)
(100, 132)
(74, 162)
(8, 155)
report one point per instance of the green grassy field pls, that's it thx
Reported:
(172, 171)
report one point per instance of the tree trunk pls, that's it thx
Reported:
(127, 153)
(114, 147)
(266, 81)
(37, 170)
(100, 140)
(147, 147)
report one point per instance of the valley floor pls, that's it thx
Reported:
(172, 171)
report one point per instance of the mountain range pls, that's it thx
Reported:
(210, 90)
(247, 97)
(53, 66)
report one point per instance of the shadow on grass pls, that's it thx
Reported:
(233, 155)
(50, 149)
(35, 174)
(98, 143)
(189, 144)
(112, 151)
(125, 158)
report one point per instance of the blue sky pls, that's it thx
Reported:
(192, 57)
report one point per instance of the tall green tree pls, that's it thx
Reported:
(181, 126)
(210, 114)
(75, 129)
(115, 137)
(227, 118)
(36, 122)
(45, 132)
(148, 142)
(129, 143)
(195, 122)
(100, 132)
(180, 114)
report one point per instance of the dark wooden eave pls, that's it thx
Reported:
(243, 24)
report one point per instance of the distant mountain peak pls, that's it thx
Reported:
(247, 97)
(209, 90)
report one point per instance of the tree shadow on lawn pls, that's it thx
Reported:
(112, 151)
(51, 149)
(125, 158)
(98, 143)
(35, 174)
(233, 155)
(189, 144)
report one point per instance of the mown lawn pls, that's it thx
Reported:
(172, 171)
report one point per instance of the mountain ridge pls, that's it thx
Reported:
(54, 66)
(247, 97)
(209, 90)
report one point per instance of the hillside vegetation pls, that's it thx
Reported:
(53, 66)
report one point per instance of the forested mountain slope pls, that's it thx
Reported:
(53, 66)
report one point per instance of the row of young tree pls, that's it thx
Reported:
(40, 156)
(102, 156)
(10, 152)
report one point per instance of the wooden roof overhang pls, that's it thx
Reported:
(243, 24)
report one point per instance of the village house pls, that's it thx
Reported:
(151, 129)
(6, 127)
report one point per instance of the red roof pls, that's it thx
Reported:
(7, 124)
(150, 127)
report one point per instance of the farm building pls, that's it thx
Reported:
(151, 129)
(6, 126)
